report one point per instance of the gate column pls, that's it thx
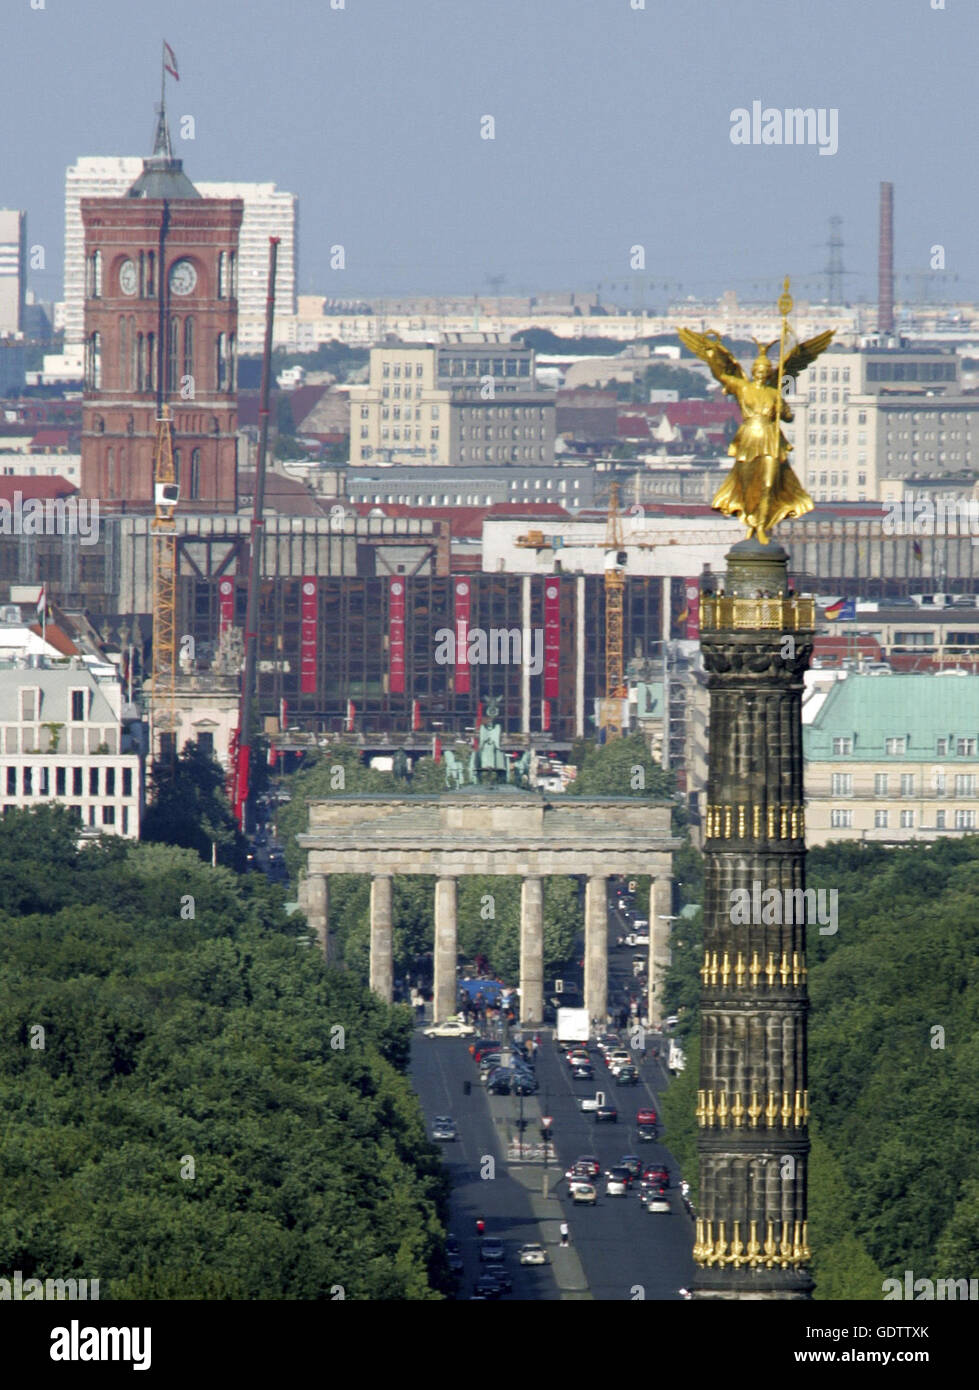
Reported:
(445, 1004)
(531, 950)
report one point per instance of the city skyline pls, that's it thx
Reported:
(388, 160)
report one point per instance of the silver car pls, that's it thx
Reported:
(444, 1128)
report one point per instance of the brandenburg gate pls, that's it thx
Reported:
(501, 831)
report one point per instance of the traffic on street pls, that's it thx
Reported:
(562, 1184)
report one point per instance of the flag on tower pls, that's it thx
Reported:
(170, 61)
(42, 605)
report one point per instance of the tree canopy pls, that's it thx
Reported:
(194, 1105)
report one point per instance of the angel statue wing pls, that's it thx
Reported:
(801, 356)
(709, 348)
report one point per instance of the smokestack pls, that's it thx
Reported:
(885, 261)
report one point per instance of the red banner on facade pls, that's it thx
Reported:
(552, 638)
(462, 602)
(226, 599)
(396, 635)
(307, 650)
(545, 715)
(692, 587)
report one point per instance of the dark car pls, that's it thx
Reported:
(646, 1134)
(583, 1071)
(525, 1085)
(606, 1114)
(499, 1277)
(627, 1076)
(453, 1253)
(499, 1083)
(488, 1287)
(633, 1163)
(491, 1250)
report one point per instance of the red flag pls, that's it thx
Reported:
(437, 749)
(170, 61)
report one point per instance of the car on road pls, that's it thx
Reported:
(491, 1250)
(488, 1287)
(450, 1028)
(577, 1056)
(627, 1075)
(637, 938)
(646, 1117)
(498, 1278)
(617, 1182)
(657, 1202)
(532, 1254)
(655, 1177)
(647, 1134)
(618, 1057)
(584, 1193)
(591, 1103)
(489, 1062)
(444, 1128)
(606, 1114)
(582, 1071)
(632, 1163)
(481, 1046)
(590, 1162)
(525, 1085)
(605, 1041)
(453, 1253)
(499, 1084)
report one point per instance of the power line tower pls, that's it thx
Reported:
(834, 271)
(615, 559)
(163, 530)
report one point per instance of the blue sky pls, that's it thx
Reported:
(612, 129)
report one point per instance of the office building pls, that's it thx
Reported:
(867, 419)
(469, 399)
(13, 271)
(892, 758)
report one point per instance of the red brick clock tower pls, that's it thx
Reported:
(161, 315)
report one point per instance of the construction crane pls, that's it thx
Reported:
(166, 494)
(615, 559)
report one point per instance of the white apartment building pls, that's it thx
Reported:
(469, 399)
(61, 739)
(864, 419)
(268, 212)
(13, 270)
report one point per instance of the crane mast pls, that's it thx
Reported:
(163, 530)
(615, 691)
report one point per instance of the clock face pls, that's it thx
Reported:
(183, 277)
(127, 277)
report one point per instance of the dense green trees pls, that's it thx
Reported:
(893, 1057)
(194, 1105)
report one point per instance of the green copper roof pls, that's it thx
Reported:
(872, 709)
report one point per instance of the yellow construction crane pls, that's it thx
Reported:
(166, 494)
(615, 557)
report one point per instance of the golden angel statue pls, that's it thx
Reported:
(761, 487)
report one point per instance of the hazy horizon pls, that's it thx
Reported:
(613, 129)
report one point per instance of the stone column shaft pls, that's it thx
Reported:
(660, 954)
(446, 949)
(531, 950)
(596, 949)
(382, 938)
(315, 902)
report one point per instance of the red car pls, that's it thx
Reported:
(656, 1176)
(646, 1117)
